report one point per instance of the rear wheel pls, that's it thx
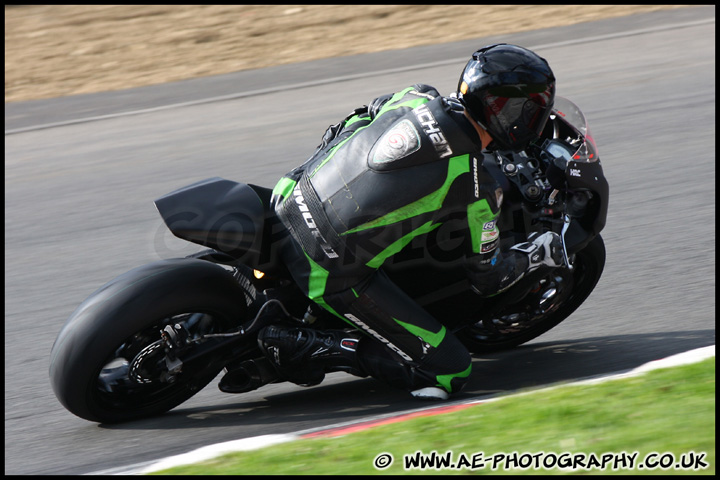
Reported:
(109, 362)
(551, 301)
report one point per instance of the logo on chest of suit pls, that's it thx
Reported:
(432, 130)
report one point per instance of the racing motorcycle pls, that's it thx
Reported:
(151, 338)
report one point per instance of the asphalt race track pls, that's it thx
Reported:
(81, 174)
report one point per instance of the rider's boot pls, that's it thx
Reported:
(384, 365)
(303, 355)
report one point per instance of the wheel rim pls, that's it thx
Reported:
(136, 376)
(547, 297)
(562, 289)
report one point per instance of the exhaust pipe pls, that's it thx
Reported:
(249, 375)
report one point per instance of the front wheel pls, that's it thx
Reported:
(108, 363)
(556, 296)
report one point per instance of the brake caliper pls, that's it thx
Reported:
(174, 338)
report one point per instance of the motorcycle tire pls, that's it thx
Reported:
(502, 333)
(107, 364)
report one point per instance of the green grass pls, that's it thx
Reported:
(669, 412)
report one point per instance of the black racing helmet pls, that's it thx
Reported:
(510, 91)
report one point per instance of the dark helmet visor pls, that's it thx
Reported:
(514, 117)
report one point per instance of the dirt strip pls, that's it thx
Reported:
(59, 50)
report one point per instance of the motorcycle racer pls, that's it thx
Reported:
(387, 175)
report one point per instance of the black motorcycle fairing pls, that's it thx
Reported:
(218, 213)
(589, 176)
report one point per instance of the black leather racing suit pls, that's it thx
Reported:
(387, 175)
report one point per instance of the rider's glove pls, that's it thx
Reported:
(377, 104)
(545, 249)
